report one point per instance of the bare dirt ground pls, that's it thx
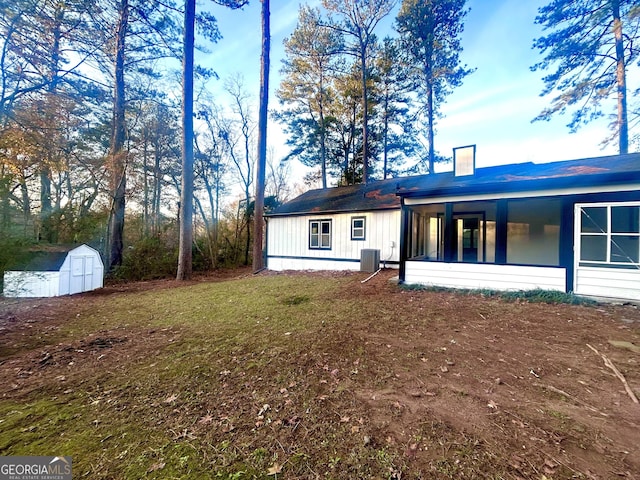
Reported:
(526, 383)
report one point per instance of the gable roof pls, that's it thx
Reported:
(48, 258)
(43, 262)
(385, 194)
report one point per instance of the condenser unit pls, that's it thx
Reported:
(369, 260)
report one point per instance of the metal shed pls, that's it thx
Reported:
(55, 273)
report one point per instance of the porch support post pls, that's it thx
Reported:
(449, 238)
(502, 217)
(567, 237)
(405, 215)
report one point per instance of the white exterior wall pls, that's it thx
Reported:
(485, 276)
(608, 282)
(280, 264)
(288, 241)
(31, 284)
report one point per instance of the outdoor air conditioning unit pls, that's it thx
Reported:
(369, 260)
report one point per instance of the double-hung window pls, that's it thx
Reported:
(320, 234)
(358, 228)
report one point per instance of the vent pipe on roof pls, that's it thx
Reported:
(464, 160)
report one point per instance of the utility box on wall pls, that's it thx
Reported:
(369, 260)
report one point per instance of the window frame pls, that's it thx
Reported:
(607, 234)
(320, 223)
(363, 237)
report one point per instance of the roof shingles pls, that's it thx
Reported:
(385, 194)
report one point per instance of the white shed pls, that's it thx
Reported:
(55, 273)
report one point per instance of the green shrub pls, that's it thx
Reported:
(13, 251)
(534, 296)
(147, 259)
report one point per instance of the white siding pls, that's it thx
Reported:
(608, 282)
(31, 284)
(288, 241)
(481, 276)
(81, 271)
(279, 264)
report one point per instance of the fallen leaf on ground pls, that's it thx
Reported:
(156, 466)
(206, 419)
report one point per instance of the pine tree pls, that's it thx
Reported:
(430, 36)
(590, 44)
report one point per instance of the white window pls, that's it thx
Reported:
(609, 235)
(358, 225)
(320, 234)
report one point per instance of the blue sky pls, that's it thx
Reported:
(492, 109)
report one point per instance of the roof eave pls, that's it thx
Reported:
(514, 186)
(332, 212)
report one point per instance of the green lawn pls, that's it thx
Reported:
(181, 384)
(317, 376)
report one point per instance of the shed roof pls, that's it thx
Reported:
(385, 194)
(45, 258)
(43, 262)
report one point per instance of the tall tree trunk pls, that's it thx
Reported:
(430, 135)
(621, 79)
(117, 153)
(157, 191)
(247, 223)
(186, 195)
(365, 116)
(258, 219)
(323, 136)
(145, 183)
(385, 138)
(26, 203)
(46, 210)
(5, 205)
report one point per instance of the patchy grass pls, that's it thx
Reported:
(313, 377)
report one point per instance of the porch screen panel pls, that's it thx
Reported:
(426, 233)
(533, 232)
(609, 235)
(474, 226)
(472, 236)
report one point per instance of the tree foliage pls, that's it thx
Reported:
(588, 48)
(430, 37)
(87, 124)
(305, 91)
(359, 21)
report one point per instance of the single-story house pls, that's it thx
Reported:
(571, 226)
(56, 272)
(327, 229)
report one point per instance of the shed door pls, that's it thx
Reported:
(81, 277)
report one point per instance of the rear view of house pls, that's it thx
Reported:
(55, 273)
(333, 228)
(571, 226)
